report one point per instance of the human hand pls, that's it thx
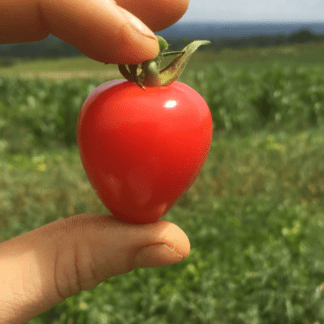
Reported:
(101, 29)
(42, 268)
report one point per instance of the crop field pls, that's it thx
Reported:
(254, 216)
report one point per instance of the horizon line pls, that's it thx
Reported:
(250, 22)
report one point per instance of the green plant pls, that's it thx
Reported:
(6, 62)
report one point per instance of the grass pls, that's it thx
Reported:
(309, 54)
(254, 215)
(64, 67)
(59, 64)
(256, 258)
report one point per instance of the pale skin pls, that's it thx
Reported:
(42, 268)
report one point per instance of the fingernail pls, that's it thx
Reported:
(156, 255)
(138, 25)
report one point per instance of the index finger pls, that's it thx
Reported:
(98, 28)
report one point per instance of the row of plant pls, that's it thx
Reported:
(277, 97)
(254, 219)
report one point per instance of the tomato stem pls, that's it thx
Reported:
(172, 53)
(151, 75)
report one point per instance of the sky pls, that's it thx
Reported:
(255, 11)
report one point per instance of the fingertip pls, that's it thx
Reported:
(104, 33)
(156, 255)
(173, 236)
(138, 47)
(135, 42)
(131, 47)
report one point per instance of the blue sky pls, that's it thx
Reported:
(255, 11)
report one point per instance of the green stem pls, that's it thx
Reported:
(172, 53)
(151, 75)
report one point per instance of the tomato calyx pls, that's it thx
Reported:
(149, 71)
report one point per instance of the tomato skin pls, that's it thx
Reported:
(143, 149)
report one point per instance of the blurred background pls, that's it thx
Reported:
(254, 216)
(226, 24)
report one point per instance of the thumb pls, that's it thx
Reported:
(42, 268)
(156, 255)
(101, 30)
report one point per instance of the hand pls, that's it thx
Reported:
(42, 268)
(101, 29)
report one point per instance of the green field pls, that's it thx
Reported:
(254, 216)
(310, 54)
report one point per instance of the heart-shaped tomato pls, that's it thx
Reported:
(143, 149)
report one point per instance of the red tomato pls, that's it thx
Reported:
(143, 149)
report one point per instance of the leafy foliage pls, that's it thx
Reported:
(253, 218)
(278, 97)
(41, 113)
(254, 215)
(6, 62)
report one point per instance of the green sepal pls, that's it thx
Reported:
(150, 74)
(172, 72)
(162, 43)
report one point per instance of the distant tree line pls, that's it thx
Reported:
(46, 48)
(51, 49)
(301, 36)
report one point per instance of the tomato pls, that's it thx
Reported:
(143, 149)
